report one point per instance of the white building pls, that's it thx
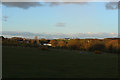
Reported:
(47, 44)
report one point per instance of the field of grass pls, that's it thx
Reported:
(57, 63)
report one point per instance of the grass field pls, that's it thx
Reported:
(57, 63)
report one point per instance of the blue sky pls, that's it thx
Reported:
(75, 18)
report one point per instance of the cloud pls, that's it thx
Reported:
(24, 5)
(60, 24)
(113, 5)
(62, 3)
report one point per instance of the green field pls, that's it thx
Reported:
(21, 62)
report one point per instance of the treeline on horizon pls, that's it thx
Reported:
(110, 45)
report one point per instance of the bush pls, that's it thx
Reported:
(97, 45)
(112, 46)
(74, 44)
(97, 52)
(61, 44)
(44, 48)
(54, 43)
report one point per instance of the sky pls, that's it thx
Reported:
(91, 17)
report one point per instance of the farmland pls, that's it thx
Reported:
(19, 62)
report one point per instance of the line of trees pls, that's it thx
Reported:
(104, 45)
(89, 45)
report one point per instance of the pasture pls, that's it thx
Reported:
(21, 62)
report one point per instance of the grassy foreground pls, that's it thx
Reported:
(57, 63)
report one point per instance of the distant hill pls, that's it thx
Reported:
(58, 35)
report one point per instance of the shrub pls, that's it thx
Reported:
(54, 43)
(97, 52)
(44, 48)
(61, 44)
(74, 44)
(112, 46)
(97, 45)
